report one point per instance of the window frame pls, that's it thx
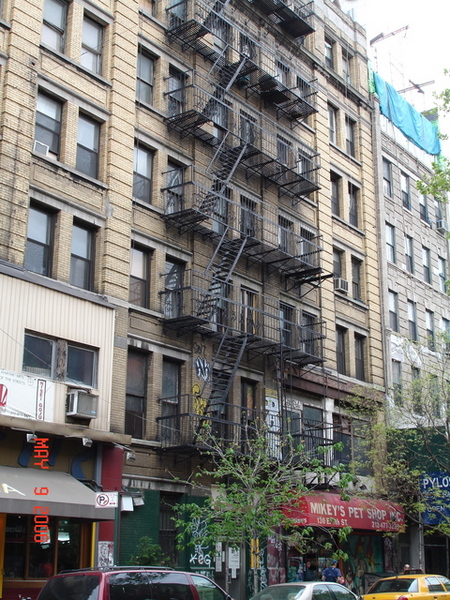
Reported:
(332, 124)
(443, 279)
(426, 261)
(92, 56)
(92, 152)
(87, 260)
(405, 187)
(412, 320)
(353, 204)
(335, 193)
(136, 395)
(43, 132)
(143, 155)
(350, 136)
(60, 359)
(394, 322)
(139, 277)
(387, 178)
(145, 83)
(409, 254)
(356, 278)
(47, 246)
(360, 362)
(58, 29)
(176, 96)
(430, 330)
(391, 250)
(341, 354)
(329, 52)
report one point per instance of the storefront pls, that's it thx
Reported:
(369, 550)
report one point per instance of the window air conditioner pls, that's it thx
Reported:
(41, 148)
(442, 226)
(340, 285)
(81, 404)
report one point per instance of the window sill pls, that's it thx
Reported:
(344, 153)
(71, 171)
(76, 65)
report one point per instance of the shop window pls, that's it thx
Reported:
(66, 548)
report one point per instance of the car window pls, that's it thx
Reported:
(72, 587)
(170, 586)
(207, 590)
(280, 592)
(134, 585)
(394, 585)
(340, 593)
(434, 585)
(322, 592)
(445, 582)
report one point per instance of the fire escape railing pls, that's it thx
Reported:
(194, 205)
(294, 16)
(252, 67)
(212, 307)
(235, 426)
(254, 142)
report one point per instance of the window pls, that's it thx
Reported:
(353, 207)
(337, 262)
(136, 394)
(423, 208)
(359, 357)
(247, 46)
(332, 124)
(310, 343)
(248, 406)
(91, 46)
(313, 429)
(335, 182)
(174, 275)
(248, 315)
(48, 126)
(352, 434)
(340, 350)
(356, 278)
(350, 129)
(412, 320)
(139, 277)
(429, 325)
(176, 84)
(282, 73)
(286, 323)
(82, 257)
(248, 217)
(145, 75)
(143, 174)
(54, 25)
(88, 146)
(39, 248)
(27, 559)
(406, 195)
(308, 250)
(438, 210)
(60, 360)
(285, 239)
(387, 178)
(397, 382)
(426, 260)
(390, 243)
(329, 53)
(283, 150)
(175, 180)
(168, 514)
(445, 329)
(442, 267)
(409, 254)
(170, 401)
(393, 310)
(247, 128)
(220, 210)
(346, 66)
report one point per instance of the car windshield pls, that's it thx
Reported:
(280, 592)
(394, 585)
(71, 587)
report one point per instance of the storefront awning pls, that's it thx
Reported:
(66, 497)
(329, 510)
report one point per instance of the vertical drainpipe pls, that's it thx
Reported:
(97, 479)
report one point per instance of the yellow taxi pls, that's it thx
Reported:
(404, 587)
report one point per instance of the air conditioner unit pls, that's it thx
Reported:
(340, 285)
(41, 148)
(442, 226)
(81, 404)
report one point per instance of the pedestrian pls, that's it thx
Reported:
(308, 573)
(332, 573)
(406, 569)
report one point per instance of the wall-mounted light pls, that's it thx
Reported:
(31, 438)
(130, 456)
(87, 442)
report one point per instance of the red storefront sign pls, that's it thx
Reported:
(329, 510)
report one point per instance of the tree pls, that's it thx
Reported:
(248, 485)
(417, 436)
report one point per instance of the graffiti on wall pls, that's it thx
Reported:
(202, 368)
(200, 557)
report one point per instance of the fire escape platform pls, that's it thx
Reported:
(294, 22)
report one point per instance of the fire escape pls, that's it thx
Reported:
(247, 142)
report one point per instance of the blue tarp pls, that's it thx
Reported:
(411, 123)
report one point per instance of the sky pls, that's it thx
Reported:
(418, 54)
